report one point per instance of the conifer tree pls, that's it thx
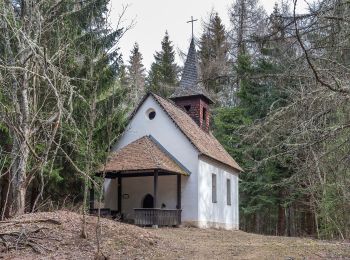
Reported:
(163, 75)
(247, 22)
(122, 76)
(136, 75)
(259, 201)
(68, 96)
(214, 55)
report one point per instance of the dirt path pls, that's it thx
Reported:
(192, 243)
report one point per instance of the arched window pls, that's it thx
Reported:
(147, 202)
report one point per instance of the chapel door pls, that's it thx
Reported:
(147, 202)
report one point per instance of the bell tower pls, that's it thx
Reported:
(191, 95)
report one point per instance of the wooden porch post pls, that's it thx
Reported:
(119, 194)
(155, 195)
(178, 206)
(178, 182)
(155, 188)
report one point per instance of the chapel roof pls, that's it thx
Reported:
(203, 141)
(190, 84)
(143, 155)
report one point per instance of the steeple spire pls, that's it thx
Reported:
(190, 84)
(190, 72)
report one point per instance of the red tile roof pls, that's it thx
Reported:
(145, 155)
(205, 142)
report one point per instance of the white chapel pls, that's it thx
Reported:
(167, 169)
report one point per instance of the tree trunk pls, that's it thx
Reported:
(257, 223)
(281, 221)
(20, 126)
(240, 35)
(20, 151)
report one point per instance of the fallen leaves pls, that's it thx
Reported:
(56, 235)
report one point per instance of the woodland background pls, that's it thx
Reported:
(280, 82)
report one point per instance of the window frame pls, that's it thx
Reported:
(228, 192)
(151, 114)
(214, 188)
(204, 114)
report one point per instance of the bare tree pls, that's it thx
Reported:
(308, 132)
(248, 20)
(34, 91)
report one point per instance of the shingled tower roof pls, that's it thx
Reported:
(190, 84)
(190, 72)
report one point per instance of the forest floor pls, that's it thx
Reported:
(192, 243)
(57, 235)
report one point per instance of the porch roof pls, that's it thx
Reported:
(142, 156)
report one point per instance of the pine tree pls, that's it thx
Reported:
(247, 22)
(163, 75)
(75, 68)
(122, 76)
(98, 112)
(136, 75)
(264, 192)
(214, 55)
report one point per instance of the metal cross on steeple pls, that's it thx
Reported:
(192, 21)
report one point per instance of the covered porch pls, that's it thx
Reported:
(143, 184)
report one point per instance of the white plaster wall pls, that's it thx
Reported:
(219, 214)
(163, 129)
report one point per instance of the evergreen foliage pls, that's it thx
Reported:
(214, 55)
(136, 75)
(262, 188)
(98, 111)
(283, 128)
(66, 86)
(163, 75)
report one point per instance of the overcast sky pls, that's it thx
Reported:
(153, 17)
